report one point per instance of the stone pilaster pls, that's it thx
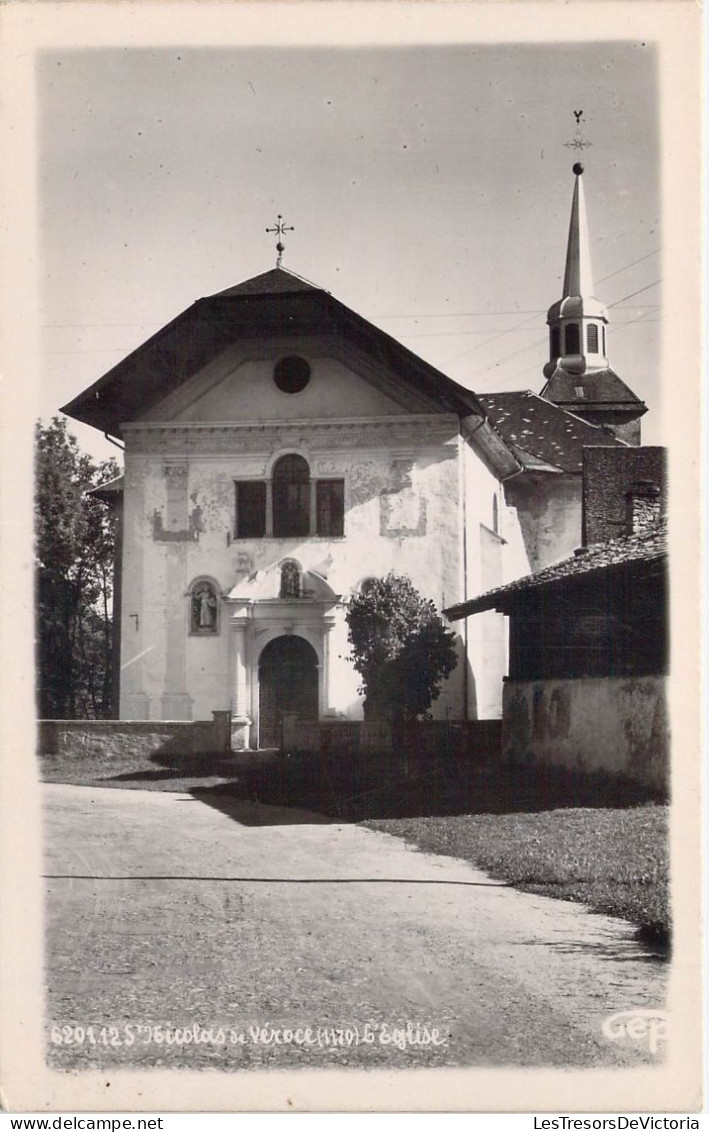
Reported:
(175, 702)
(240, 719)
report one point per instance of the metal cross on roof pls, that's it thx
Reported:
(578, 142)
(279, 230)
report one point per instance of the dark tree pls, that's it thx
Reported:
(400, 647)
(74, 548)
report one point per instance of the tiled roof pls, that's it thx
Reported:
(586, 560)
(552, 438)
(278, 281)
(602, 388)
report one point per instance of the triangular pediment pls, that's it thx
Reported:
(239, 386)
(275, 307)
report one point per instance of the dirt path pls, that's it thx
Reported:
(164, 911)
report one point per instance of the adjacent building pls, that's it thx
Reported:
(588, 636)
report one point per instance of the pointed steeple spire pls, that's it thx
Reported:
(578, 279)
(579, 377)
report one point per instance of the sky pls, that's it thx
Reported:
(429, 187)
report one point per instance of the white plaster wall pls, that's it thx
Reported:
(486, 634)
(402, 513)
(547, 510)
(615, 724)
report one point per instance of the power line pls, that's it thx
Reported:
(541, 341)
(382, 317)
(634, 293)
(641, 260)
(512, 330)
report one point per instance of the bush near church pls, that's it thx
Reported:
(400, 647)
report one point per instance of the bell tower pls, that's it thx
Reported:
(579, 377)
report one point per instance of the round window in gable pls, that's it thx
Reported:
(291, 374)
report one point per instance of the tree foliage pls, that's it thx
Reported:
(74, 547)
(400, 647)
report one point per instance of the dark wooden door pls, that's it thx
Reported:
(288, 682)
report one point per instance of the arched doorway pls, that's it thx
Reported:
(288, 682)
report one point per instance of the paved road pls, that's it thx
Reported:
(164, 911)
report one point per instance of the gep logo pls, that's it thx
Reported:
(645, 1027)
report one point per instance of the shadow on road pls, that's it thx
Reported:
(315, 791)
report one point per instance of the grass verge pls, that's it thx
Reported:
(614, 860)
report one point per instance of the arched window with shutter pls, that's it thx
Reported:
(592, 338)
(291, 497)
(555, 342)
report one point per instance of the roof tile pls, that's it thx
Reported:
(549, 435)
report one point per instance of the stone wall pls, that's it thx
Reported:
(106, 738)
(425, 739)
(608, 475)
(616, 725)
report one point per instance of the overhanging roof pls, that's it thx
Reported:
(627, 552)
(275, 304)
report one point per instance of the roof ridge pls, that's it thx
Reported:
(274, 274)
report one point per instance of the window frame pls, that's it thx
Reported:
(312, 492)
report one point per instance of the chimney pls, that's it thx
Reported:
(643, 507)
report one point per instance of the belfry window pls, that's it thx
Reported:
(572, 343)
(555, 342)
(592, 338)
(603, 331)
(291, 497)
(290, 504)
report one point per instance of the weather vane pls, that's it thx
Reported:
(279, 230)
(578, 142)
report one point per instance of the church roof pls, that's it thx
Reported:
(542, 436)
(275, 304)
(627, 552)
(602, 388)
(278, 281)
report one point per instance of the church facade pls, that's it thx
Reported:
(280, 449)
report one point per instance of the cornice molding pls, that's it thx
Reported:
(231, 438)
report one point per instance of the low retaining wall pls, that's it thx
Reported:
(91, 738)
(616, 725)
(427, 739)
(338, 739)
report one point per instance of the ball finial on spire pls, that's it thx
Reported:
(578, 169)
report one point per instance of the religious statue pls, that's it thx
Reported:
(290, 580)
(204, 609)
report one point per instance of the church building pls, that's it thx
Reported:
(280, 449)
